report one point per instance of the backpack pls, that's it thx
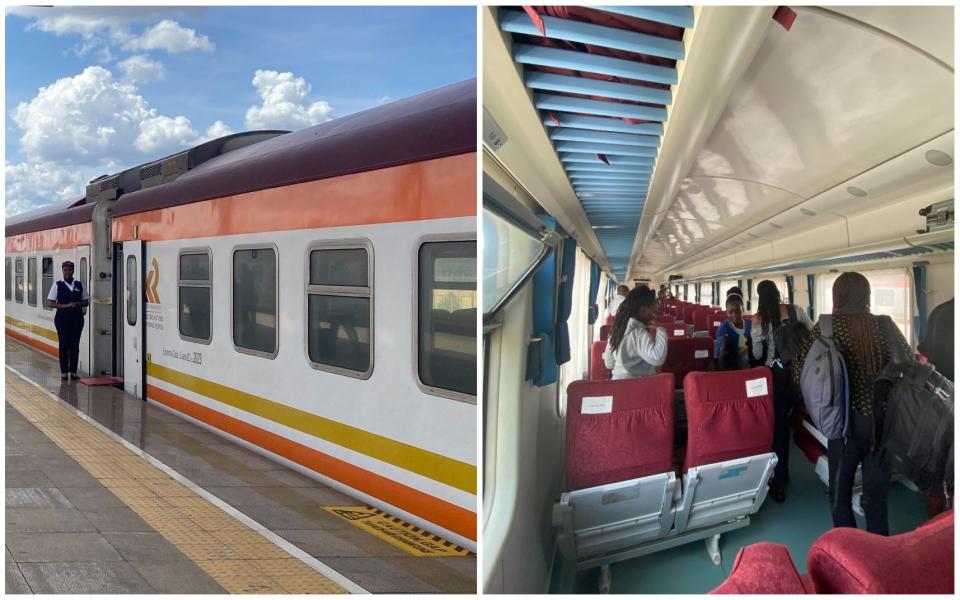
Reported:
(917, 425)
(790, 337)
(825, 385)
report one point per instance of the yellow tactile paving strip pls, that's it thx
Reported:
(240, 559)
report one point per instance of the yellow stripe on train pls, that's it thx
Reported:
(35, 329)
(431, 465)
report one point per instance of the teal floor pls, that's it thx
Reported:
(796, 523)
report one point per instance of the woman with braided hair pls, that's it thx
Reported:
(637, 345)
(769, 323)
(859, 337)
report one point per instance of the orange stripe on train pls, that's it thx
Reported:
(435, 510)
(32, 342)
(434, 189)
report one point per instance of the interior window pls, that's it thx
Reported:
(7, 286)
(890, 294)
(447, 316)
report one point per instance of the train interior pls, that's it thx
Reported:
(700, 148)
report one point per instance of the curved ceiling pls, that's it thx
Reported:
(828, 100)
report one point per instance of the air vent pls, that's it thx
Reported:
(110, 184)
(150, 171)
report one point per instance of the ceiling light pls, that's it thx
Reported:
(775, 226)
(855, 191)
(938, 158)
(808, 212)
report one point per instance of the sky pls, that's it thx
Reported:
(95, 90)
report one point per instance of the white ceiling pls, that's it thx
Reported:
(829, 100)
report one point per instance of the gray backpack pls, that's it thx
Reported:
(824, 384)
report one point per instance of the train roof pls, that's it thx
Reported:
(434, 124)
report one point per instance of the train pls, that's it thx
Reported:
(309, 294)
(694, 149)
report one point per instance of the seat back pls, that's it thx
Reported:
(666, 319)
(609, 320)
(687, 354)
(729, 415)
(714, 321)
(852, 561)
(700, 318)
(604, 333)
(618, 430)
(598, 370)
(675, 330)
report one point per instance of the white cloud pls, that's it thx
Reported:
(284, 103)
(31, 185)
(170, 36)
(385, 99)
(163, 135)
(218, 130)
(140, 68)
(85, 116)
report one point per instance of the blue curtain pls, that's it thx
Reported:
(541, 361)
(919, 285)
(696, 293)
(749, 295)
(685, 296)
(810, 284)
(789, 289)
(568, 262)
(594, 289)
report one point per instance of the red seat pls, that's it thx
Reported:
(729, 415)
(764, 568)
(675, 330)
(666, 319)
(685, 355)
(609, 320)
(618, 430)
(853, 561)
(700, 318)
(714, 321)
(604, 332)
(598, 370)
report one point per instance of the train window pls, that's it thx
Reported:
(510, 255)
(32, 281)
(82, 273)
(46, 268)
(194, 296)
(255, 301)
(706, 293)
(7, 287)
(340, 309)
(132, 290)
(890, 294)
(18, 288)
(447, 317)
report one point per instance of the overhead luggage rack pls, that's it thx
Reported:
(601, 80)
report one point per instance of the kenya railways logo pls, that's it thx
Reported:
(153, 278)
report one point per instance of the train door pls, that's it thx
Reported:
(82, 261)
(133, 329)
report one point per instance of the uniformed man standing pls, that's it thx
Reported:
(69, 298)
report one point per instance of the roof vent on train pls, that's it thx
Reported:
(601, 79)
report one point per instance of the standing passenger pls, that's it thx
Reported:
(617, 300)
(68, 297)
(859, 338)
(637, 345)
(733, 336)
(770, 320)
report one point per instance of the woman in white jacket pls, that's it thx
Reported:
(637, 345)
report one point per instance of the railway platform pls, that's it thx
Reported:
(106, 493)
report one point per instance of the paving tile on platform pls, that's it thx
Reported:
(115, 519)
(60, 547)
(34, 497)
(115, 577)
(177, 577)
(144, 546)
(13, 581)
(23, 520)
